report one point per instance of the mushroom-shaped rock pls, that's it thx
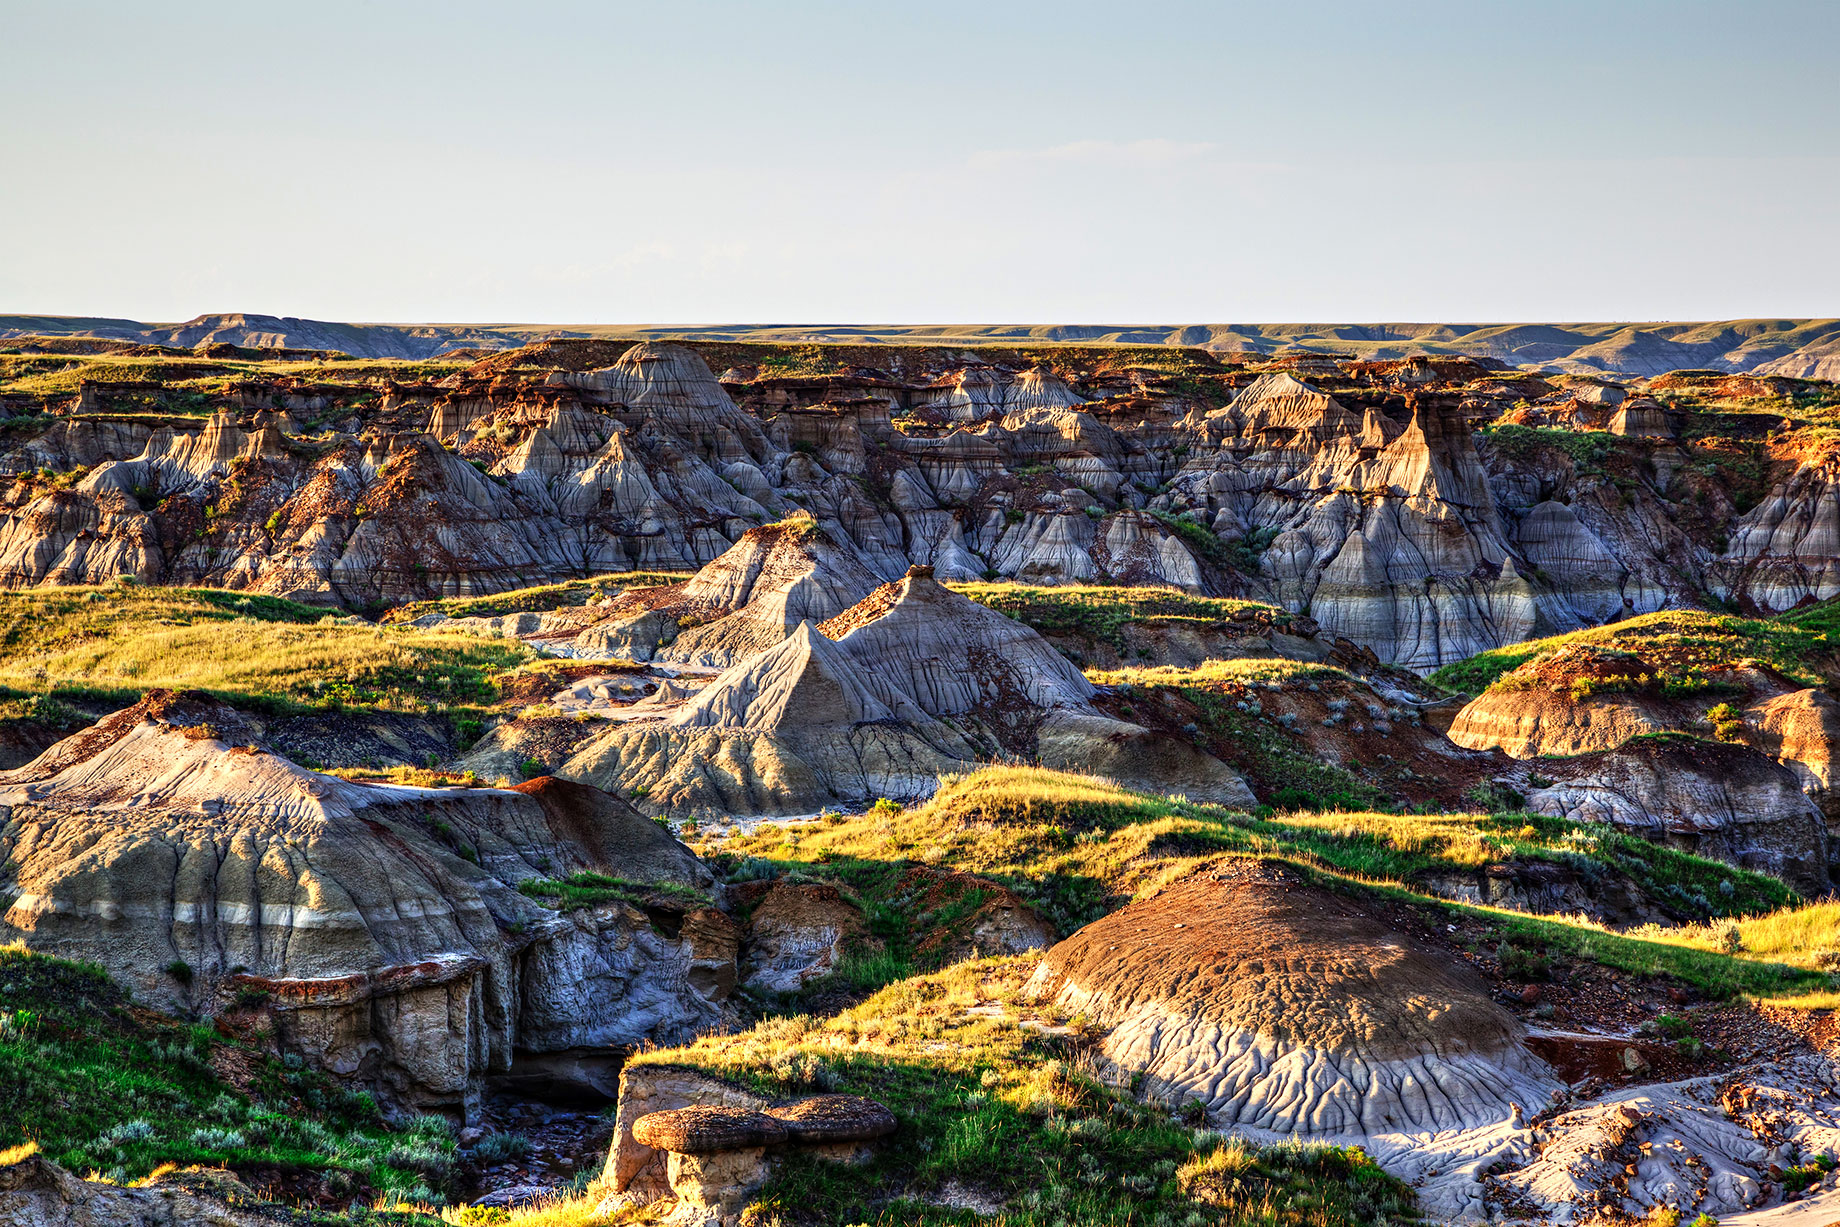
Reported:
(707, 1130)
(835, 1118)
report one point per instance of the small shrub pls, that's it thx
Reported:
(1494, 797)
(219, 1139)
(502, 1147)
(532, 768)
(136, 1130)
(16, 1025)
(1521, 963)
(1731, 937)
(1727, 722)
(180, 970)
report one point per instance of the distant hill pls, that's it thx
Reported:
(1805, 349)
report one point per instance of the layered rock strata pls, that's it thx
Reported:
(912, 682)
(377, 929)
(1365, 497)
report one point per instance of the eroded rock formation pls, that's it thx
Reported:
(376, 929)
(1606, 742)
(1290, 1011)
(1366, 497)
(912, 681)
(709, 1144)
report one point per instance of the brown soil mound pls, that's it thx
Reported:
(1250, 945)
(1285, 1009)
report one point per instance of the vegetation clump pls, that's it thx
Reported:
(588, 889)
(1682, 652)
(1588, 449)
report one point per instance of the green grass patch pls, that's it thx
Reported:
(537, 599)
(1674, 646)
(1020, 1119)
(1102, 612)
(1589, 449)
(258, 652)
(586, 889)
(108, 1090)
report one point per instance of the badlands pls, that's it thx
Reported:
(583, 780)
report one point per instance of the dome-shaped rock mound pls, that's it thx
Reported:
(705, 1130)
(1578, 699)
(1290, 1010)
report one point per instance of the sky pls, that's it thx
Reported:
(797, 161)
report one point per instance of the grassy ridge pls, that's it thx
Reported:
(1102, 611)
(252, 650)
(537, 599)
(1075, 847)
(1019, 1117)
(1674, 641)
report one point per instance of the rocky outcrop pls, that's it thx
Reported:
(1290, 1012)
(36, 1192)
(709, 1145)
(1787, 549)
(1584, 697)
(1801, 730)
(1713, 1146)
(1355, 491)
(796, 933)
(1606, 742)
(716, 1157)
(1727, 802)
(375, 929)
(757, 593)
(913, 681)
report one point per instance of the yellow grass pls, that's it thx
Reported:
(1212, 672)
(561, 1210)
(1104, 595)
(17, 1154)
(129, 638)
(1452, 837)
(1797, 936)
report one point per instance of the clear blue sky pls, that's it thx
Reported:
(679, 161)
